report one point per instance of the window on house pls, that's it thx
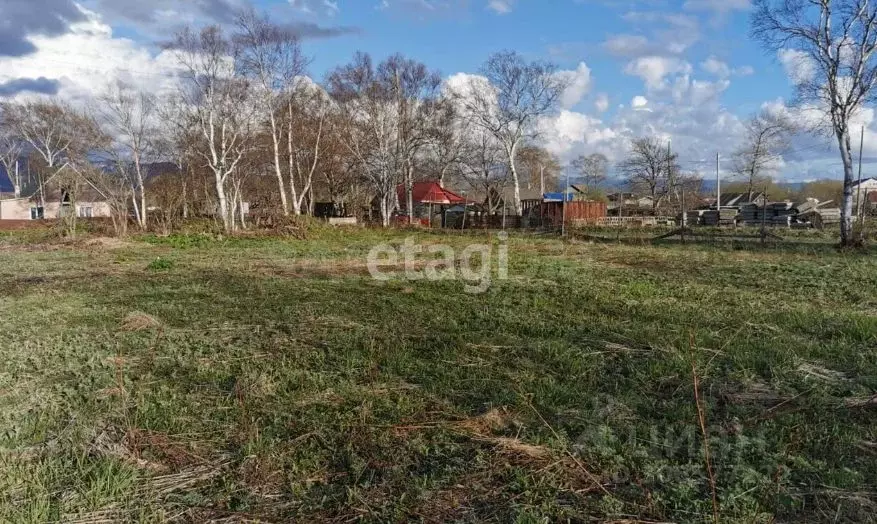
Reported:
(85, 212)
(37, 213)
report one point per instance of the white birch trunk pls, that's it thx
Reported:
(846, 209)
(277, 166)
(512, 151)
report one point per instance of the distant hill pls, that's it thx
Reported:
(709, 184)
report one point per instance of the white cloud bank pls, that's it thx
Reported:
(85, 60)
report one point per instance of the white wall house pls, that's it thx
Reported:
(864, 192)
(53, 203)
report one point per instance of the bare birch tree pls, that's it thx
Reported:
(271, 56)
(649, 169)
(832, 43)
(55, 133)
(11, 150)
(220, 104)
(540, 167)
(447, 143)
(516, 94)
(388, 113)
(339, 168)
(114, 188)
(368, 128)
(483, 166)
(767, 138)
(592, 169)
(129, 116)
(412, 88)
(177, 140)
(306, 130)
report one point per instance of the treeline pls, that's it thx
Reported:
(248, 127)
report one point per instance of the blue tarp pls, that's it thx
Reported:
(5, 183)
(557, 197)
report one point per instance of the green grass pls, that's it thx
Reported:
(195, 378)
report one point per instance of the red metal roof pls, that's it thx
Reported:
(430, 193)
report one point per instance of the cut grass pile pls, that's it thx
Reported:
(275, 380)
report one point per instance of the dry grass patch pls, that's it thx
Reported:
(139, 321)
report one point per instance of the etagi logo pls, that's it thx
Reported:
(474, 264)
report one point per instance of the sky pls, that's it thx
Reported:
(685, 71)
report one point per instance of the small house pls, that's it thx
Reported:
(53, 203)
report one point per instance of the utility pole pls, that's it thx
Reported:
(542, 180)
(670, 177)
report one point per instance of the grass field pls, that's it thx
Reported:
(273, 380)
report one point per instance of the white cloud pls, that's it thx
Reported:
(798, 65)
(601, 104)
(714, 66)
(316, 7)
(423, 8)
(654, 69)
(627, 45)
(578, 85)
(639, 102)
(718, 6)
(654, 33)
(569, 134)
(698, 92)
(462, 84)
(500, 7)
(98, 59)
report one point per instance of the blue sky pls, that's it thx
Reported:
(682, 70)
(460, 38)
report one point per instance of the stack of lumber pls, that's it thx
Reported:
(817, 214)
(821, 217)
(725, 217)
(810, 213)
(776, 213)
(784, 221)
(710, 218)
(694, 218)
(749, 214)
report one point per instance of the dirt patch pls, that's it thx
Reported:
(160, 450)
(108, 243)
(260, 475)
